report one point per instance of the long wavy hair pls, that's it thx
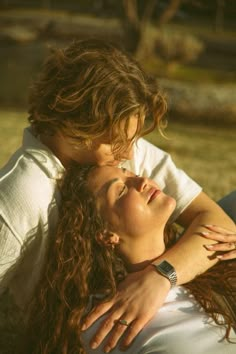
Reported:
(91, 88)
(78, 266)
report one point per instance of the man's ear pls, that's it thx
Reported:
(108, 238)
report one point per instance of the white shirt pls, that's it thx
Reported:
(28, 214)
(180, 327)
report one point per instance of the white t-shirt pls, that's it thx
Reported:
(180, 327)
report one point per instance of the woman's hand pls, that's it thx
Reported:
(226, 241)
(138, 298)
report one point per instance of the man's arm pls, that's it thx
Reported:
(10, 249)
(143, 293)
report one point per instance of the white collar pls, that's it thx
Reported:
(51, 165)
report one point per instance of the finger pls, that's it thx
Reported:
(96, 313)
(226, 238)
(221, 246)
(106, 327)
(227, 256)
(133, 331)
(117, 332)
(219, 229)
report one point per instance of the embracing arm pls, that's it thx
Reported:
(10, 248)
(189, 255)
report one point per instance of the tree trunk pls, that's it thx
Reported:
(135, 24)
(219, 21)
(169, 12)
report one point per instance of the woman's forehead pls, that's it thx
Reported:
(106, 171)
(103, 175)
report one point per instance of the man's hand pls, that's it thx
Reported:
(138, 298)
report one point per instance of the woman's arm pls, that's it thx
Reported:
(189, 255)
(143, 293)
(226, 242)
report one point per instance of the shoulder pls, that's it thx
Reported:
(26, 193)
(21, 176)
(147, 158)
(144, 148)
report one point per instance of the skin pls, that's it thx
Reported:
(99, 153)
(130, 204)
(189, 256)
(226, 241)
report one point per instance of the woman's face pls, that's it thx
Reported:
(132, 205)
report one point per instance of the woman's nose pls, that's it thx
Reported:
(142, 183)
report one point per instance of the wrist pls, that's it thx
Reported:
(159, 278)
(167, 271)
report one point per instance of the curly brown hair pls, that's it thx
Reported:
(88, 89)
(78, 265)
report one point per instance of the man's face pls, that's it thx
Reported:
(100, 152)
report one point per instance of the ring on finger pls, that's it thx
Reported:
(123, 322)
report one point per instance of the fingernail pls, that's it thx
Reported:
(208, 246)
(84, 327)
(94, 345)
(219, 257)
(205, 233)
(208, 225)
(107, 349)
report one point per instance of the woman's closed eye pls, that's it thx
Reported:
(122, 191)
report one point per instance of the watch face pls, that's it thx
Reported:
(168, 271)
(167, 268)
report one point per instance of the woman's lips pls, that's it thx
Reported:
(153, 193)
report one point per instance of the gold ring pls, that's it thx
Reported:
(123, 322)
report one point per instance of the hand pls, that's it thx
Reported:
(138, 298)
(226, 241)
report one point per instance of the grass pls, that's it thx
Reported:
(200, 75)
(206, 153)
(182, 72)
(12, 124)
(203, 29)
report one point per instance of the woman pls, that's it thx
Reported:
(113, 222)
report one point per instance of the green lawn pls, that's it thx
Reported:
(206, 153)
(12, 124)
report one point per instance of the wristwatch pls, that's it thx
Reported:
(167, 270)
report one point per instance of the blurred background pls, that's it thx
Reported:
(188, 45)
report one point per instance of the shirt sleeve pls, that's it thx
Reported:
(10, 249)
(158, 165)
